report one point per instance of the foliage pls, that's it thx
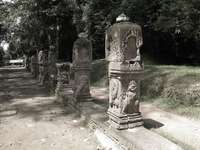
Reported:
(170, 27)
(35, 24)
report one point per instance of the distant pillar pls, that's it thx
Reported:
(52, 69)
(34, 65)
(123, 42)
(82, 56)
(43, 66)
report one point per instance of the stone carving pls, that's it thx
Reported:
(130, 102)
(122, 46)
(63, 81)
(63, 73)
(115, 86)
(124, 102)
(123, 42)
(82, 55)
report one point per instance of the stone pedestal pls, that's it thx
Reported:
(82, 56)
(123, 42)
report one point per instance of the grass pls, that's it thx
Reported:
(173, 88)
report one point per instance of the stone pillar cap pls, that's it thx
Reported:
(122, 18)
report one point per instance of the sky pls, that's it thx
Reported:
(5, 45)
(9, 1)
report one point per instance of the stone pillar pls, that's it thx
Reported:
(82, 56)
(43, 66)
(28, 66)
(122, 44)
(34, 65)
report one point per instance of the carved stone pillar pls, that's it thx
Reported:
(123, 42)
(43, 66)
(82, 56)
(63, 76)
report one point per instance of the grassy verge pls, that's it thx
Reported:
(173, 88)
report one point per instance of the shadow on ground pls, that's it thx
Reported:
(152, 124)
(21, 96)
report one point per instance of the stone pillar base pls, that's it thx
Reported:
(126, 121)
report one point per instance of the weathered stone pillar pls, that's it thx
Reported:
(123, 42)
(82, 56)
(43, 66)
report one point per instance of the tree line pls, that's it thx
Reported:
(171, 29)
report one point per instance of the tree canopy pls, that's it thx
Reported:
(170, 28)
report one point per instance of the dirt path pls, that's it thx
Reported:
(30, 119)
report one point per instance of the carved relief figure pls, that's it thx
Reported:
(114, 92)
(130, 102)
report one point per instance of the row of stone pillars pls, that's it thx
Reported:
(122, 46)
